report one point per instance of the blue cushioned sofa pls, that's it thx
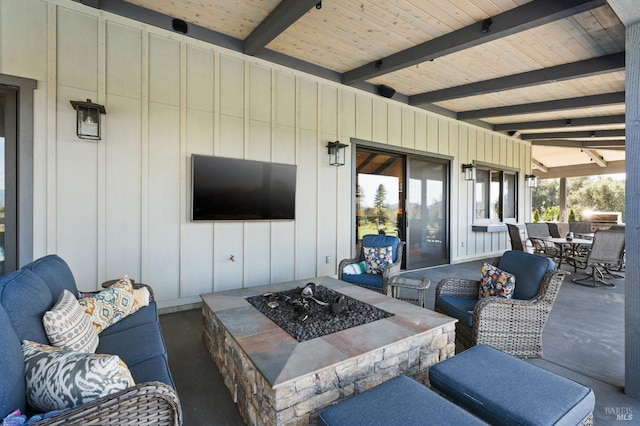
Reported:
(378, 282)
(26, 294)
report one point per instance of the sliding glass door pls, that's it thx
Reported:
(427, 213)
(406, 196)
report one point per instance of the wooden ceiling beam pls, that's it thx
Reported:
(538, 165)
(282, 17)
(569, 134)
(612, 144)
(525, 17)
(579, 69)
(568, 123)
(545, 106)
(595, 156)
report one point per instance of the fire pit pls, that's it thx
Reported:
(277, 380)
(315, 311)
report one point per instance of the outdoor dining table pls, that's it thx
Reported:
(562, 242)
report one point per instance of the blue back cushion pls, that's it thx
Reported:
(12, 387)
(375, 240)
(56, 273)
(529, 270)
(25, 298)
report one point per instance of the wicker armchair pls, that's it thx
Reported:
(511, 325)
(377, 282)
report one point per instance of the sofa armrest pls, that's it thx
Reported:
(459, 287)
(145, 403)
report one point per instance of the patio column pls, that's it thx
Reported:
(629, 14)
(563, 215)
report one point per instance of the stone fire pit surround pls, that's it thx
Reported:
(276, 380)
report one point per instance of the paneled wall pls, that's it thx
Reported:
(121, 205)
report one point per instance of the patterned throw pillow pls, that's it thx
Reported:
(377, 258)
(495, 282)
(68, 326)
(110, 305)
(59, 378)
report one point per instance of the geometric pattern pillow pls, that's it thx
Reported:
(110, 305)
(377, 258)
(68, 326)
(495, 282)
(355, 268)
(58, 378)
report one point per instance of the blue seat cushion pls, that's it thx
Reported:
(55, 272)
(134, 345)
(155, 369)
(144, 315)
(12, 384)
(529, 270)
(371, 280)
(458, 307)
(399, 401)
(504, 390)
(25, 298)
(375, 240)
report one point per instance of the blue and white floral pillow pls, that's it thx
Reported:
(495, 282)
(377, 258)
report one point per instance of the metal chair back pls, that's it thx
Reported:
(607, 248)
(516, 237)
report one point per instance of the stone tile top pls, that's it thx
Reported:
(280, 358)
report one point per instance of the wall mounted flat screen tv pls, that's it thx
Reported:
(234, 189)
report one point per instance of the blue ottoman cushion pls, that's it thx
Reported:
(400, 401)
(504, 390)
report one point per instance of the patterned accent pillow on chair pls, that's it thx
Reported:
(68, 326)
(495, 282)
(58, 378)
(111, 305)
(377, 258)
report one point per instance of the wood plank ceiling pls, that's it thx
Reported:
(548, 71)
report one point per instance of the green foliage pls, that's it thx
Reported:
(601, 193)
(536, 216)
(381, 196)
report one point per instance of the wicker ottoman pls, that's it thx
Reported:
(400, 401)
(504, 390)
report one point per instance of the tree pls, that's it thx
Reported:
(381, 196)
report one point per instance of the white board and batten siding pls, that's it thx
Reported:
(121, 205)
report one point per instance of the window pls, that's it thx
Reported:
(495, 195)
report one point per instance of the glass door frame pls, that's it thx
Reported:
(407, 153)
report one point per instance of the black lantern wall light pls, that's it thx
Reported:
(88, 119)
(336, 153)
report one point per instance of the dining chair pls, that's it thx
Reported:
(606, 254)
(537, 233)
(516, 237)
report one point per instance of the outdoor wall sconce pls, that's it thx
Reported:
(336, 153)
(88, 119)
(469, 171)
(532, 180)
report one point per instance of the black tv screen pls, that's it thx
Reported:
(234, 189)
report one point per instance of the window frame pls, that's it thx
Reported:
(489, 196)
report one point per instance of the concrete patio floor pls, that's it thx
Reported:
(583, 341)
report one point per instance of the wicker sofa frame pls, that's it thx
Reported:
(389, 271)
(153, 403)
(510, 325)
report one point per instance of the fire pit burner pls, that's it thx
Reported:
(315, 311)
